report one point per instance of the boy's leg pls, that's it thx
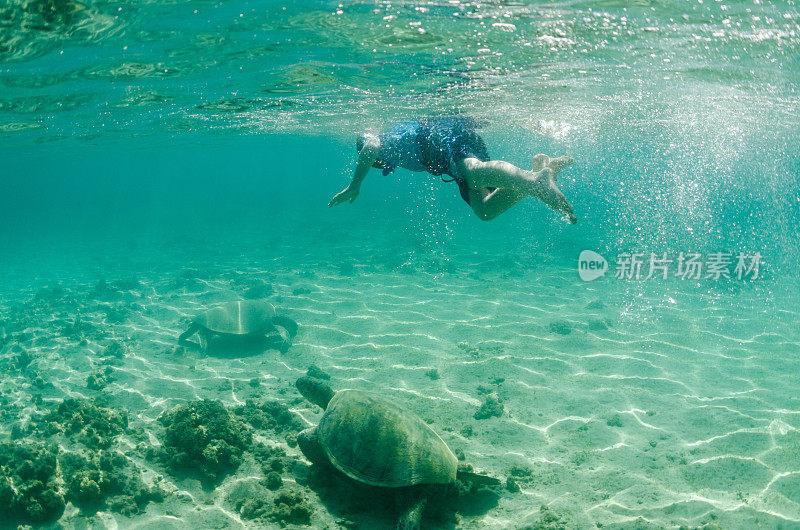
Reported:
(499, 174)
(489, 204)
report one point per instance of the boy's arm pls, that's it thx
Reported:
(366, 157)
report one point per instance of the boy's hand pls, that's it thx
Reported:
(347, 194)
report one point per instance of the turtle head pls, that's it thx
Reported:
(316, 391)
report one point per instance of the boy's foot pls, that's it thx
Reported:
(548, 193)
(540, 162)
(557, 164)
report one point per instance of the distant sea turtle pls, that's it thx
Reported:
(246, 319)
(376, 441)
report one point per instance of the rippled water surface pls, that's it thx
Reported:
(158, 158)
(135, 67)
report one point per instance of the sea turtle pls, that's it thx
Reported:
(374, 440)
(245, 319)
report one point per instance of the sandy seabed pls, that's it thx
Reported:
(624, 405)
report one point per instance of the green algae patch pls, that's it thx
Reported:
(28, 488)
(273, 459)
(203, 438)
(100, 379)
(16, 359)
(105, 480)
(492, 406)
(254, 502)
(87, 422)
(38, 480)
(291, 507)
(269, 415)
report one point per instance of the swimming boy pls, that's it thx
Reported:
(451, 146)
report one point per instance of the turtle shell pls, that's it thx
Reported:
(375, 441)
(246, 317)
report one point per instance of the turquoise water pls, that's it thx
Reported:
(161, 158)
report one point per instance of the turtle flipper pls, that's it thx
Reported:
(287, 329)
(183, 339)
(286, 323)
(281, 340)
(309, 446)
(411, 517)
(476, 480)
